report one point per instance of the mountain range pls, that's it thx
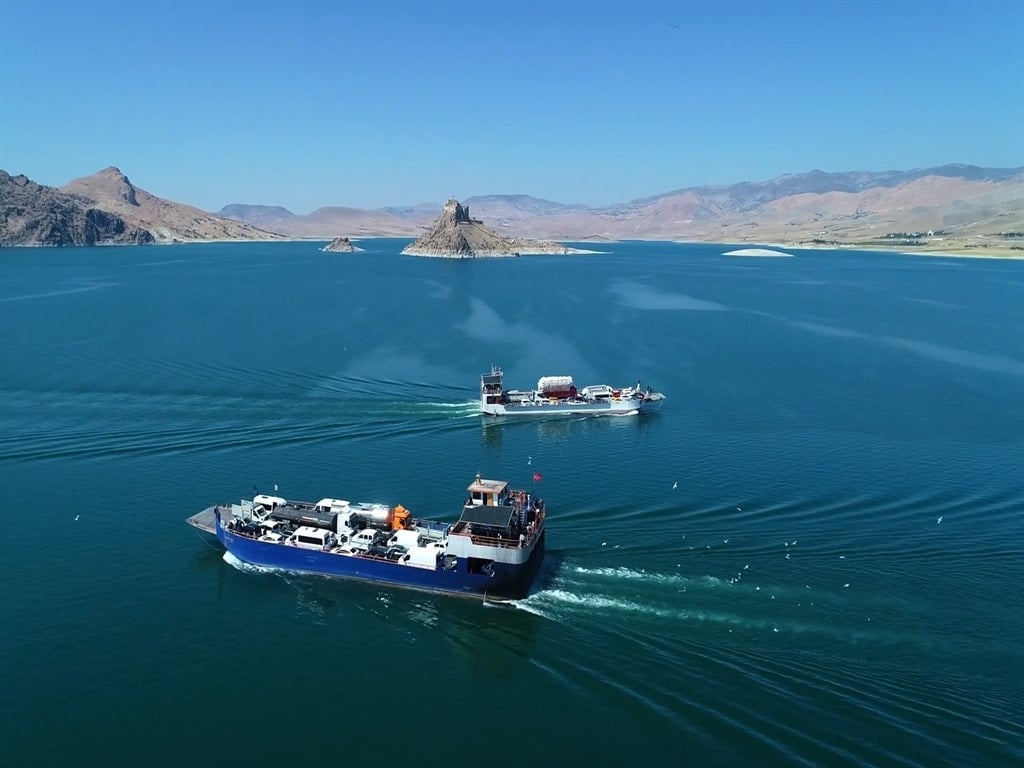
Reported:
(951, 206)
(956, 202)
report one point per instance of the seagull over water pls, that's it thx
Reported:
(76, 518)
(939, 520)
(675, 485)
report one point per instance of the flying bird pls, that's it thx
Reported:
(675, 485)
(939, 520)
(76, 518)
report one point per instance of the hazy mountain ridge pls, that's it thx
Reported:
(960, 205)
(325, 223)
(747, 195)
(817, 206)
(258, 215)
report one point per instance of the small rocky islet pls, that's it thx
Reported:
(341, 245)
(456, 235)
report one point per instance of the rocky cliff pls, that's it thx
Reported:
(454, 235)
(167, 221)
(33, 214)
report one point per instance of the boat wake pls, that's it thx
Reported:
(244, 567)
(632, 595)
(465, 409)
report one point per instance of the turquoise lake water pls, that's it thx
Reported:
(812, 555)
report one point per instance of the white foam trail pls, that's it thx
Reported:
(528, 604)
(594, 601)
(245, 567)
(60, 292)
(560, 604)
(572, 599)
(466, 404)
(465, 410)
(648, 576)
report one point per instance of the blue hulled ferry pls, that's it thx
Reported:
(493, 550)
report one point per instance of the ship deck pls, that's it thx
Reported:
(205, 522)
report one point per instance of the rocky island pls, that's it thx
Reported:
(341, 245)
(454, 235)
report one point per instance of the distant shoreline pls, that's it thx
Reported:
(955, 251)
(960, 251)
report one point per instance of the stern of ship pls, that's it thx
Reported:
(491, 392)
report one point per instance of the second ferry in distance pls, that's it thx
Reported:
(558, 396)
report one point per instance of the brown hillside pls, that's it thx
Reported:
(110, 190)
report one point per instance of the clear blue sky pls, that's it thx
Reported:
(308, 103)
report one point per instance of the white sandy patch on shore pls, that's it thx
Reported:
(759, 252)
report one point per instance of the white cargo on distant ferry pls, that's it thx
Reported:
(558, 396)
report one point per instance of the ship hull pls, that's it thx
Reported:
(509, 581)
(630, 407)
